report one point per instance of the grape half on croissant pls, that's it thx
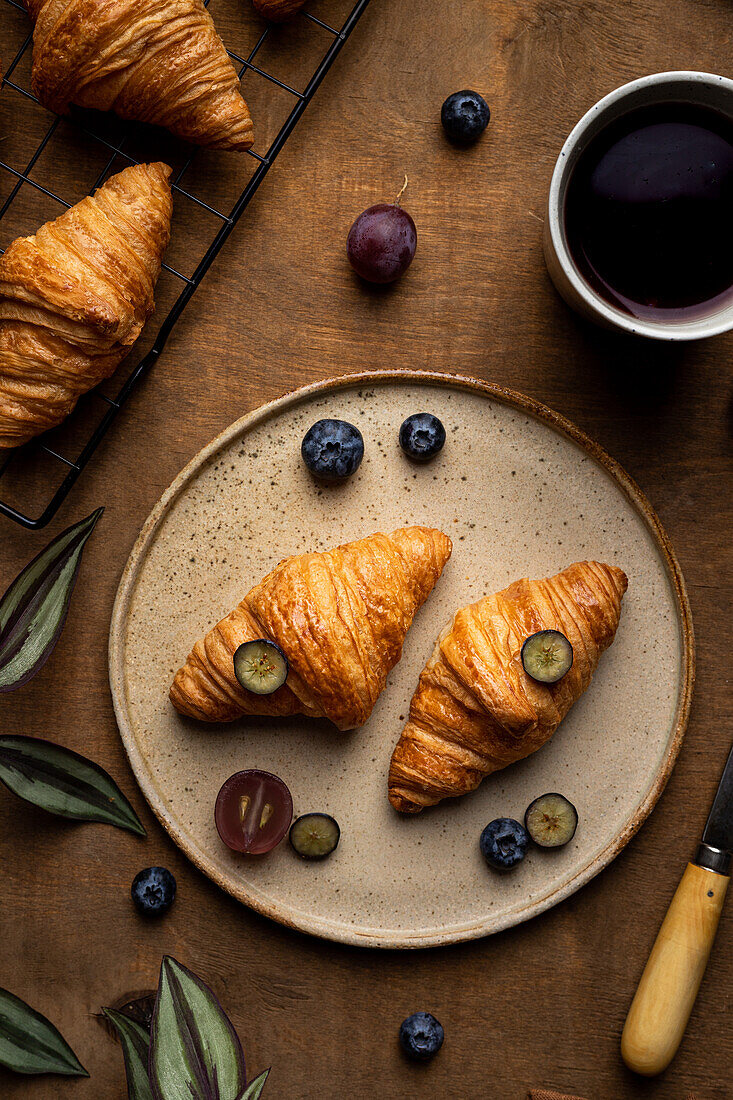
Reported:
(475, 709)
(157, 61)
(75, 296)
(340, 618)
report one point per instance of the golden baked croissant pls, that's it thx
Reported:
(475, 709)
(158, 61)
(75, 296)
(278, 10)
(340, 618)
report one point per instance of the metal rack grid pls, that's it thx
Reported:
(55, 488)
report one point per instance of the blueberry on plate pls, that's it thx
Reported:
(153, 891)
(421, 1036)
(315, 835)
(551, 820)
(504, 843)
(465, 115)
(332, 450)
(422, 437)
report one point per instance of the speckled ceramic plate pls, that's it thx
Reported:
(521, 492)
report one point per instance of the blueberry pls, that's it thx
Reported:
(504, 843)
(465, 115)
(421, 1036)
(332, 449)
(422, 436)
(153, 891)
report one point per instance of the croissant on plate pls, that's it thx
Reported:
(340, 618)
(475, 709)
(75, 296)
(157, 61)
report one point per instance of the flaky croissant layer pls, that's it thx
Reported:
(475, 709)
(75, 296)
(340, 617)
(156, 61)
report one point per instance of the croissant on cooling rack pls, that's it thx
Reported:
(475, 709)
(339, 617)
(157, 61)
(278, 10)
(75, 296)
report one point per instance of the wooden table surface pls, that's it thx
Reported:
(542, 1004)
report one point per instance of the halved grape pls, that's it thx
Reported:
(315, 836)
(551, 820)
(260, 666)
(253, 811)
(547, 656)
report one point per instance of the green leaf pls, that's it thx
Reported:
(194, 1050)
(136, 1050)
(64, 783)
(254, 1089)
(33, 610)
(29, 1043)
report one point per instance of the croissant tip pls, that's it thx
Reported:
(245, 144)
(162, 169)
(403, 804)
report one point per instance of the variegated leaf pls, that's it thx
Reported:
(136, 1051)
(29, 1043)
(64, 783)
(194, 1050)
(34, 608)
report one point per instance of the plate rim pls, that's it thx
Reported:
(323, 927)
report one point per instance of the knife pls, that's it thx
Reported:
(666, 994)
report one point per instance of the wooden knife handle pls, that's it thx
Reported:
(661, 1008)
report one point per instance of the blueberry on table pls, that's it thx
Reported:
(315, 836)
(547, 656)
(422, 437)
(504, 843)
(153, 891)
(421, 1036)
(465, 115)
(332, 450)
(382, 242)
(551, 820)
(260, 666)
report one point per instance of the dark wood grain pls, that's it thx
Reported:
(544, 1003)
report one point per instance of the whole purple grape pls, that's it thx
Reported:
(382, 243)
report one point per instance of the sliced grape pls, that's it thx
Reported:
(551, 820)
(260, 666)
(315, 836)
(253, 811)
(547, 656)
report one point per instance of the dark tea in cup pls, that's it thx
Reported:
(648, 212)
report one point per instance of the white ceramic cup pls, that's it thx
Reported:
(705, 89)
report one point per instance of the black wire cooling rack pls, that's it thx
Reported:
(36, 478)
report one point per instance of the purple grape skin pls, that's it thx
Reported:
(382, 243)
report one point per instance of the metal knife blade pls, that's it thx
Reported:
(717, 839)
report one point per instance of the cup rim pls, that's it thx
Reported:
(699, 328)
